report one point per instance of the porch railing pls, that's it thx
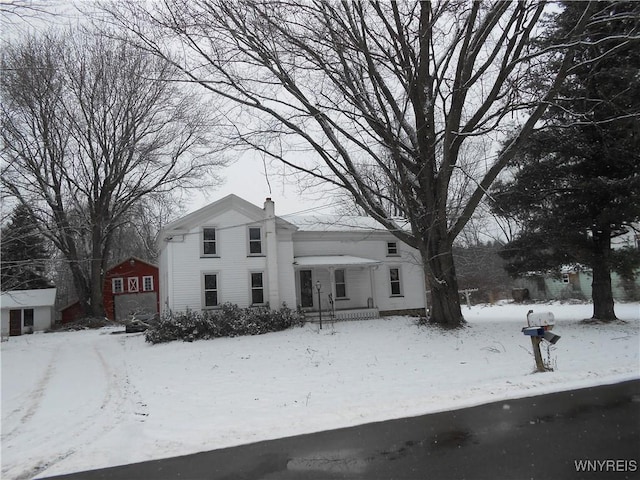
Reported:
(343, 315)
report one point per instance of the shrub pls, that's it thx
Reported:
(229, 321)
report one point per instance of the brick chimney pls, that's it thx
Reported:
(269, 207)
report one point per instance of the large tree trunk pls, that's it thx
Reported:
(80, 284)
(440, 272)
(97, 270)
(97, 303)
(601, 289)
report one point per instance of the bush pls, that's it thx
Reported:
(229, 321)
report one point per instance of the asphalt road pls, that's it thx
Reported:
(543, 437)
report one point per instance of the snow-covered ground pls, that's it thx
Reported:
(74, 401)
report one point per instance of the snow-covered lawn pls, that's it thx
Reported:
(82, 400)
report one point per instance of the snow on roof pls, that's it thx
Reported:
(333, 260)
(338, 223)
(45, 297)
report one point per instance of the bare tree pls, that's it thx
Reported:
(341, 90)
(90, 128)
(19, 16)
(17, 10)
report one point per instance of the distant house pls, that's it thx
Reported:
(574, 281)
(234, 251)
(27, 311)
(129, 287)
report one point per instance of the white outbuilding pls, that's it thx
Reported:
(27, 311)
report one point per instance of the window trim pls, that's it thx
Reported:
(399, 281)
(395, 247)
(114, 281)
(203, 290)
(252, 288)
(344, 283)
(144, 283)
(215, 242)
(249, 241)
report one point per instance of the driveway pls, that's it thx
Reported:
(587, 433)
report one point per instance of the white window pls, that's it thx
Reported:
(147, 283)
(132, 284)
(255, 241)
(394, 282)
(565, 278)
(210, 294)
(341, 284)
(392, 248)
(117, 285)
(209, 243)
(257, 288)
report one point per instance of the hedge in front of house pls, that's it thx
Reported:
(229, 321)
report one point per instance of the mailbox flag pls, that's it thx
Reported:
(551, 337)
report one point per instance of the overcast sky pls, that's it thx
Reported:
(245, 177)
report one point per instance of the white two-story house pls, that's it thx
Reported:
(234, 251)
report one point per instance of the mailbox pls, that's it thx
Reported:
(542, 319)
(538, 328)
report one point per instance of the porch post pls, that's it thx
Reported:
(332, 283)
(372, 285)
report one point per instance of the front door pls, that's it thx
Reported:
(306, 289)
(15, 322)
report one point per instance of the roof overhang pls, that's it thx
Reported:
(334, 261)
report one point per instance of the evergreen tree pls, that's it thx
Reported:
(24, 253)
(575, 185)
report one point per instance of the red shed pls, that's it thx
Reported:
(72, 312)
(131, 287)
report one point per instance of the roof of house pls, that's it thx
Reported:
(231, 201)
(301, 223)
(45, 297)
(339, 223)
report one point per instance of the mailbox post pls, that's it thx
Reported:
(539, 327)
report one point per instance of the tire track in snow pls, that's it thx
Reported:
(87, 427)
(35, 399)
(112, 404)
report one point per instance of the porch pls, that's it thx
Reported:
(341, 287)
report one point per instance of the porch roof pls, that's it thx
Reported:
(333, 261)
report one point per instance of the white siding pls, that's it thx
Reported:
(233, 265)
(286, 277)
(42, 319)
(372, 246)
(182, 264)
(41, 301)
(163, 278)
